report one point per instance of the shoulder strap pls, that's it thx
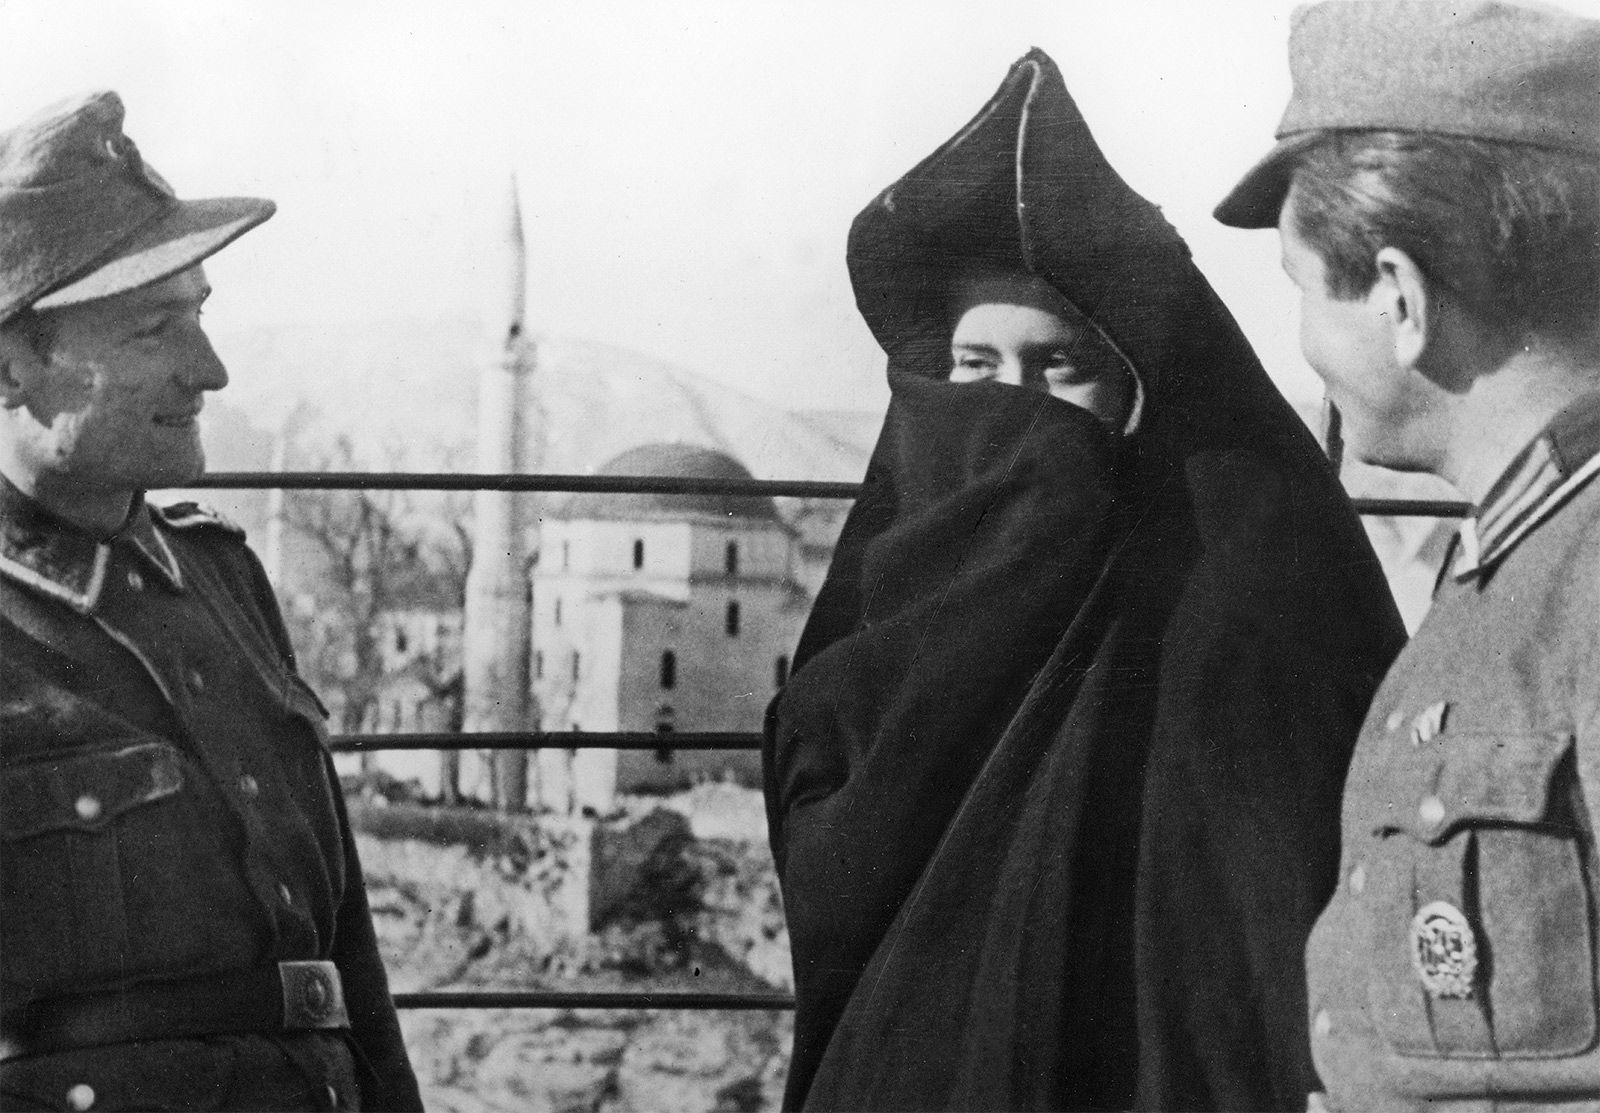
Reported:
(193, 515)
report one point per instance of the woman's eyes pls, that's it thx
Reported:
(1055, 368)
(1059, 370)
(969, 368)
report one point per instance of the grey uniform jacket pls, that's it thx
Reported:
(1455, 968)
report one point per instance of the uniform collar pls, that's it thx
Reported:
(58, 560)
(1561, 459)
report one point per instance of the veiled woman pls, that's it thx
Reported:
(1054, 787)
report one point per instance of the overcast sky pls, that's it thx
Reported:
(687, 170)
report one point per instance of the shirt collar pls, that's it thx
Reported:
(58, 560)
(1539, 479)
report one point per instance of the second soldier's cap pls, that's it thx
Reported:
(83, 217)
(1482, 69)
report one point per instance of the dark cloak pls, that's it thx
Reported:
(1054, 787)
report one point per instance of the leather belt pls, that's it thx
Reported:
(286, 997)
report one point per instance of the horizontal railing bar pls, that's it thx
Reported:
(455, 481)
(573, 999)
(655, 485)
(545, 740)
(1412, 508)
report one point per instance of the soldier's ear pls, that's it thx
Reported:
(22, 368)
(1408, 302)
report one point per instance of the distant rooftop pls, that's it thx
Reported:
(688, 460)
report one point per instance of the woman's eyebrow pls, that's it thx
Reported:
(972, 346)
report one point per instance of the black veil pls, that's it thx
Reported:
(1054, 786)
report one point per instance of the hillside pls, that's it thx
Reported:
(405, 393)
(412, 385)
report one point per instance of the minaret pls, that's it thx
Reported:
(497, 621)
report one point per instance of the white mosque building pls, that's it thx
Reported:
(663, 613)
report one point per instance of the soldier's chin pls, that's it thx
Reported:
(180, 473)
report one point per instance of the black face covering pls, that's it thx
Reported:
(1053, 790)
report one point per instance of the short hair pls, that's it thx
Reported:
(1512, 230)
(38, 329)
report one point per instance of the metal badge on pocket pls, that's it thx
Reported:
(1444, 950)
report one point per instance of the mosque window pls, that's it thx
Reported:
(638, 552)
(538, 664)
(577, 669)
(730, 558)
(558, 610)
(566, 555)
(780, 671)
(669, 669)
(732, 623)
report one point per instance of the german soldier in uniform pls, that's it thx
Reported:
(185, 925)
(1437, 191)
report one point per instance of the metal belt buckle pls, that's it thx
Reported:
(313, 995)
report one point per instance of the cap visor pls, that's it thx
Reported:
(1257, 199)
(178, 239)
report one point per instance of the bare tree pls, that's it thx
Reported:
(364, 558)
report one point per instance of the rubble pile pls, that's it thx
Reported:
(669, 895)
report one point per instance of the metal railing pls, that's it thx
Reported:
(624, 740)
(654, 485)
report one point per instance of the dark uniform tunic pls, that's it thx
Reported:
(173, 831)
(1455, 969)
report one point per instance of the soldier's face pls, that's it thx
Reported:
(117, 400)
(1349, 343)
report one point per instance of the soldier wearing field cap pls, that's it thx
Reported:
(184, 920)
(1436, 187)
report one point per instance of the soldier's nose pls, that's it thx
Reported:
(205, 371)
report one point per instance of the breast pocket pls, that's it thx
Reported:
(65, 823)
(1483, 946)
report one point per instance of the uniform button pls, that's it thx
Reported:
(284, 894)
(80, 1097)
(1358, 879)
(249, 787)
(135, 580)
(1395, 721)
(1323, 1024)
(88, 809)
(197, 682)
(1431, 810)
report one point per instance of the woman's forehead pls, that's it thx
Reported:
(1005, 323)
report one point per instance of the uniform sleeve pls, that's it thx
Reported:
(388, 1082)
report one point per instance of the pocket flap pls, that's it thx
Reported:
(1481, 778)
(86, 791)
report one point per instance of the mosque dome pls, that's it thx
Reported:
(678, 460)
